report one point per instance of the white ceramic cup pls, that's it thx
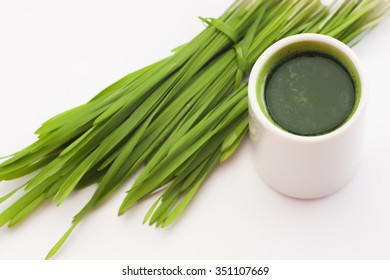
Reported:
(305, 167)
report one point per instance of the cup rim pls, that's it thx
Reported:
(259, 115)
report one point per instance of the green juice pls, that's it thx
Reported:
(308, 88)
(309, 93)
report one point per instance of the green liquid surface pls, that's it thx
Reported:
(309, 94)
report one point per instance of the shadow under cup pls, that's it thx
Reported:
(297, 165)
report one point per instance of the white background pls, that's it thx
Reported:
(55, 55)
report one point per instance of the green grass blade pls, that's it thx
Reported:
(60, 242)
(10, 194)
(26, 211)
(178, 210)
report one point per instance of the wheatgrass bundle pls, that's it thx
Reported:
(177, 118)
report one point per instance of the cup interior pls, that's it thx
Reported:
(293, 46)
